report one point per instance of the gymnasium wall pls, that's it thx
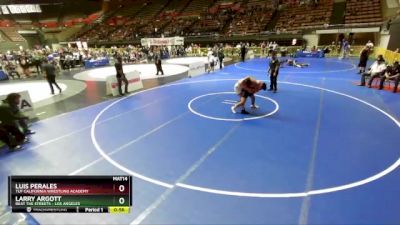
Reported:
(390, 8)
(394, 41)
(9, 45)
(356, 39)
(311, 39)
(63, 35)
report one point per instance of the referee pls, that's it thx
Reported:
(121, 76)
(273, 71)
(50, 70)
(243, 52)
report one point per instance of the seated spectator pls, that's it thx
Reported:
(314, 49)
(24, 62)
(392, 73)
(376, 70)
(12, 70)
(11, 116)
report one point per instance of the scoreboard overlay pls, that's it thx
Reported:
(70, 194)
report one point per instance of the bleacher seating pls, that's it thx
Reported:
(130, 10)
(149, 17)
(180, 25)
(365, 11)
(298, 15)
(214, 19)
(197, 7)
(209, 23)
(2, 38)
(253, 19)
(12, 34)
(101, 33)
(175, 5)
(188, 17)
(233, 17)
(134, 16)
(151, 10)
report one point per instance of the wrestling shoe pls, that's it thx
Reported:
(255, 106)
(244, 112)
(16, 147)
(233, 109)
(30, 132)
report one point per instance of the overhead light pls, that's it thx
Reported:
(20, 8)
(4, 9)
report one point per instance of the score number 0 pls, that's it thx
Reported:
(121, 200)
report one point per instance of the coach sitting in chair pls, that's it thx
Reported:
(10, 114)
(376, 70)
(13, 138)
(392, 73)
(13, 126)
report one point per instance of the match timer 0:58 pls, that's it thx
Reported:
(118, 209)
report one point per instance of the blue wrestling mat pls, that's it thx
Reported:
(320, 151)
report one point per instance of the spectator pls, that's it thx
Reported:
(11, 104)
(209, 56)
(221, 57)
(314, 49)
(274, 46)
(37, 62)
(8, 138)
(158, 65)
(263, 47)
(345, 49)
(12, 70)
(25, 66)
(377, 69)
(392, 73)
(13, 120)
(212, 62)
